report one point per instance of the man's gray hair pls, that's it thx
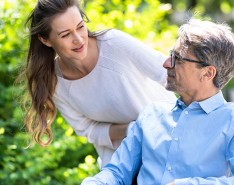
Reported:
(212, 43)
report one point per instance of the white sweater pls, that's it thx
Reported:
(128, 76)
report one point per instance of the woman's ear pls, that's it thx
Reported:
(44, 41)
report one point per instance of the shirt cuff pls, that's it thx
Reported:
(100, 135)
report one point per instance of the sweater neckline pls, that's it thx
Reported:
(60, 74)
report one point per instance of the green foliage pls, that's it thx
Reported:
(144, 19)
(63, 162)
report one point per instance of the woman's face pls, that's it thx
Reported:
(69, 35)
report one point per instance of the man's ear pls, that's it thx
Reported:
(209, 72)
(44, 41)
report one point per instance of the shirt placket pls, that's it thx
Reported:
(176, 135)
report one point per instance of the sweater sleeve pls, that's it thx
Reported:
(147, 60)
(96, 132)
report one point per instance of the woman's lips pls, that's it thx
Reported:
(79, 49)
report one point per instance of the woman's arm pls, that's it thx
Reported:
(118, 132)
(98, 133)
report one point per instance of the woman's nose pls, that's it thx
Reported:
(77, 39)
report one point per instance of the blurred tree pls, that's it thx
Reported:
(218, 10)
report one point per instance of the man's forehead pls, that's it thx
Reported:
(181, 48)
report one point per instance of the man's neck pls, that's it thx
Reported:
(198, 96)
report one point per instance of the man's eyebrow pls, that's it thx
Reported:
(68, 29)
(176, 53)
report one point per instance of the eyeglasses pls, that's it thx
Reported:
(175, 57)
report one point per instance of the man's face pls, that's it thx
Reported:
(185, 77)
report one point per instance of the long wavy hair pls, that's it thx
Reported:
(39, 71)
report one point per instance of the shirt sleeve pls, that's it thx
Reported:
(96, 132)
(124, 163)
(146, 59)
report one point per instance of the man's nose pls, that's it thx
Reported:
(167, 63)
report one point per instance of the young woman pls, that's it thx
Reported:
(99, 81)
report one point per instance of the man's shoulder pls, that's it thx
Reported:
(158, 108)
(228, 106)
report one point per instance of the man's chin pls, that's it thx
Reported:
(170, 87)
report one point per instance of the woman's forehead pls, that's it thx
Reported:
(66, 19)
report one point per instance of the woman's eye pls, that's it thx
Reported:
(80, 27)
(65, 35)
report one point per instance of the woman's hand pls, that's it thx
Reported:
(118, 131)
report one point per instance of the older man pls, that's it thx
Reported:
(190, 142)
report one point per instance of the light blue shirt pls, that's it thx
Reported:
(191, 145)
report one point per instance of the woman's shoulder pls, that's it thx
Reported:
(120, 39)
(113, 34)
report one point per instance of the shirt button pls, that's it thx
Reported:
(176, 139)
(186, 112)
(169, 168)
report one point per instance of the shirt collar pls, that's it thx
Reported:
(180, 104)
(213, 102)
(207, 105)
